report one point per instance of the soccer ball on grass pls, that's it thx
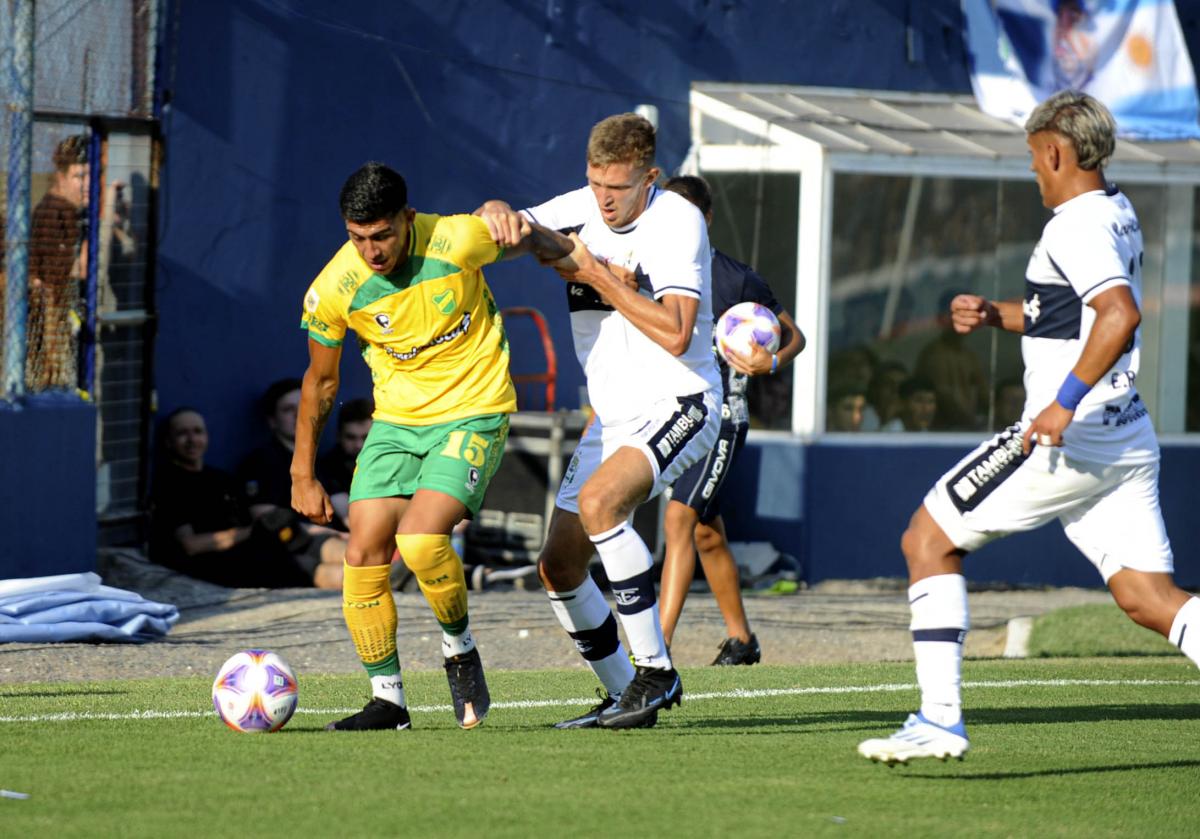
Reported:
(255, 691)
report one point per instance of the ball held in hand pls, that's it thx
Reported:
(745, 324)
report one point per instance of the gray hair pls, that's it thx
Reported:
(1083, 120)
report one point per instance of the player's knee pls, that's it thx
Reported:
(707, 538)
(679, 521)
(922, 549)
(359, 555)
(594, 511)
(1145, 604)
(422, 551)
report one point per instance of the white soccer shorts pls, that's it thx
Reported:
(675, 433)
(1111, 513)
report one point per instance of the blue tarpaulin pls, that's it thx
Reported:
(76, 607)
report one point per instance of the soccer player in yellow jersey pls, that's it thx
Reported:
(410, 286)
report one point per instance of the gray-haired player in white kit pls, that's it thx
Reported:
(1084, 451)
(640, 294)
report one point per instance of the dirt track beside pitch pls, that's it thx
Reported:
(837, 621)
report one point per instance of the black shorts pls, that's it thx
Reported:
(700, 486)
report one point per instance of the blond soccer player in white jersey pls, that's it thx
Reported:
(640, 303)
(410, 286)
(1084, 451)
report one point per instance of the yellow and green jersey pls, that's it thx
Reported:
(430, 331)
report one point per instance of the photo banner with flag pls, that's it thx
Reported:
(1129, 54)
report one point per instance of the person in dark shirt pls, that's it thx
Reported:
(201, 523)
(335, 468)
(265, 479)
(693, 519)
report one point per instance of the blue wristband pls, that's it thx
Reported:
(1072, 391)
(774, 363)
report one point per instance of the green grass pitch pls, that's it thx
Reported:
(1060, 747)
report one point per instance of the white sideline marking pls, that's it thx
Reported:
(765, 693)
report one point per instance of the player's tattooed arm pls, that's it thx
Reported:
(324, 409)
(318, 389)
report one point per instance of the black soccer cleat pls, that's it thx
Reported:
(588, 719)
(733, 651)
(378, 715)
(468, 688)
(652, 689)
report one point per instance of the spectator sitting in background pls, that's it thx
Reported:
(918, 406)
(955, 371)
(883, 396)
(335, 468)
(201, 524)
(1010, 402)
(853, 366)
(845, 408)
(265, 476)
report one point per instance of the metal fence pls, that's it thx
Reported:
(80, 145)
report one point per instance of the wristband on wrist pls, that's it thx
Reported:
(1072, 391)
(774, 363)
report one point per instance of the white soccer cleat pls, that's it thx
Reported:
(917, 738)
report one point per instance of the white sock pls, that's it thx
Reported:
(390, 688)
(628, 565)
(939, 623)
(588, 620)
(1185, 630)
(457, 644)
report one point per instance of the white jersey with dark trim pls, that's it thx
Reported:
(667, 246)
(1092, 244)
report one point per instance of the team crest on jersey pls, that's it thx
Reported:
(445, 302)
(311, 301)
(472, 480)
(385, 323)
(1032, 308)
(348, 282)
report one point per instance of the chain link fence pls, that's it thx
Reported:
(77, 187)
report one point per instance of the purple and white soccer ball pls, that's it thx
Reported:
(745, 324)
(255, 691)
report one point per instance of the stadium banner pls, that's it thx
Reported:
(1129, 54)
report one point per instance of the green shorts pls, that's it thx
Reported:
(457, 458)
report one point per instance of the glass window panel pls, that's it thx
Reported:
(901, 248)
(1192, 419)
(755, 219)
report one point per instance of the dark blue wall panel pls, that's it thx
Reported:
(274, 102)
(48, 494)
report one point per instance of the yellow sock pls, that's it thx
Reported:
(439, 574)
(370, 614)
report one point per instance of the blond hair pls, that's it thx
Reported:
(1081, 119)
(623, 138)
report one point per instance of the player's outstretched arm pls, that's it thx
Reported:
(507, 226)
(318, 390)
(519, 236)
(970, 311)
